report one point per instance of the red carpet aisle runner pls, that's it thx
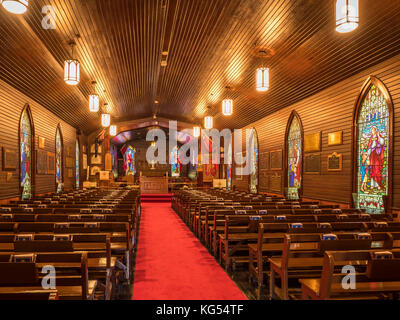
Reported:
(171, 264)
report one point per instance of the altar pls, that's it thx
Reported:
(153, 185)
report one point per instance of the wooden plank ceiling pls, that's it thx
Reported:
(211, 44)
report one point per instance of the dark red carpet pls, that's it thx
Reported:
(172, 264)
(156, 197)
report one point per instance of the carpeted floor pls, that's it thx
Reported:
(172, 264)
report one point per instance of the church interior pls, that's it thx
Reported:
(199, 150)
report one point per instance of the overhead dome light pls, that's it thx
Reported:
(15, 6)
(72, 70)
(105, 120)
(262, 79)
(347, 15)
(196, 131)
(113, 130)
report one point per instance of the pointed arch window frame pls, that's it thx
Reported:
(27, 109)
(293, 115)
(58, 129)
(77, 164)
(372, 81)
(257, 161)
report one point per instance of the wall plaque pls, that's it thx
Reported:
(335, 162)
(70, 173)
(312, 142)
(264, 161)
(335, 138)
(10, 159)
(41, 142)
(69, 151)
(95, 160)
(276, 160)
(41, 162)
(9, 176)
(51, 163)
(69, 162)
(276, 183)
(108, 162)
(264, 181)
(84, 161)
(312, 163)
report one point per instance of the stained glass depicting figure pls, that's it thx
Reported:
(229, 168)
(59, 161)
(253, 162)
(294, 159)
(129, 161)
(77, 164)
(175, 164)
(373, 151)
(26, 156)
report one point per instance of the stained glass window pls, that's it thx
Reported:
(373, 146)
(26, 155)
(77, 164)
(129, 161)
(294, 159)
(59, 161)
(253, 162)
(229, 168)
(175, 164)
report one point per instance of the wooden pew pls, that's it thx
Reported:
(304, 262)
(24, 272)
(379, 278)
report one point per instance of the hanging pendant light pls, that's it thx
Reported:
(227, 106)
(94, 100)
(208, 122)
(347, 15)
(72, 69)
(262, 79)
(105, 120)
(15, 6)
(113, 130)
(196, 131)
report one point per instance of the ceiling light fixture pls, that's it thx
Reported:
(347, 15)
(72, 69)
(113, 130)
(227, 106)
(208, 120)
(196, 131)
(94, 101)
(15, 6)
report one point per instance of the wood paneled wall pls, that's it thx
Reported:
(45, 123)
(329, 111)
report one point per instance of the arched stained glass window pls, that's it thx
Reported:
(175, 164)
(129, 160)
(77, 164)
(229, 168)
(59, 160)
(373, 134)
(253, 162)
(294, 158)
(26, 163)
